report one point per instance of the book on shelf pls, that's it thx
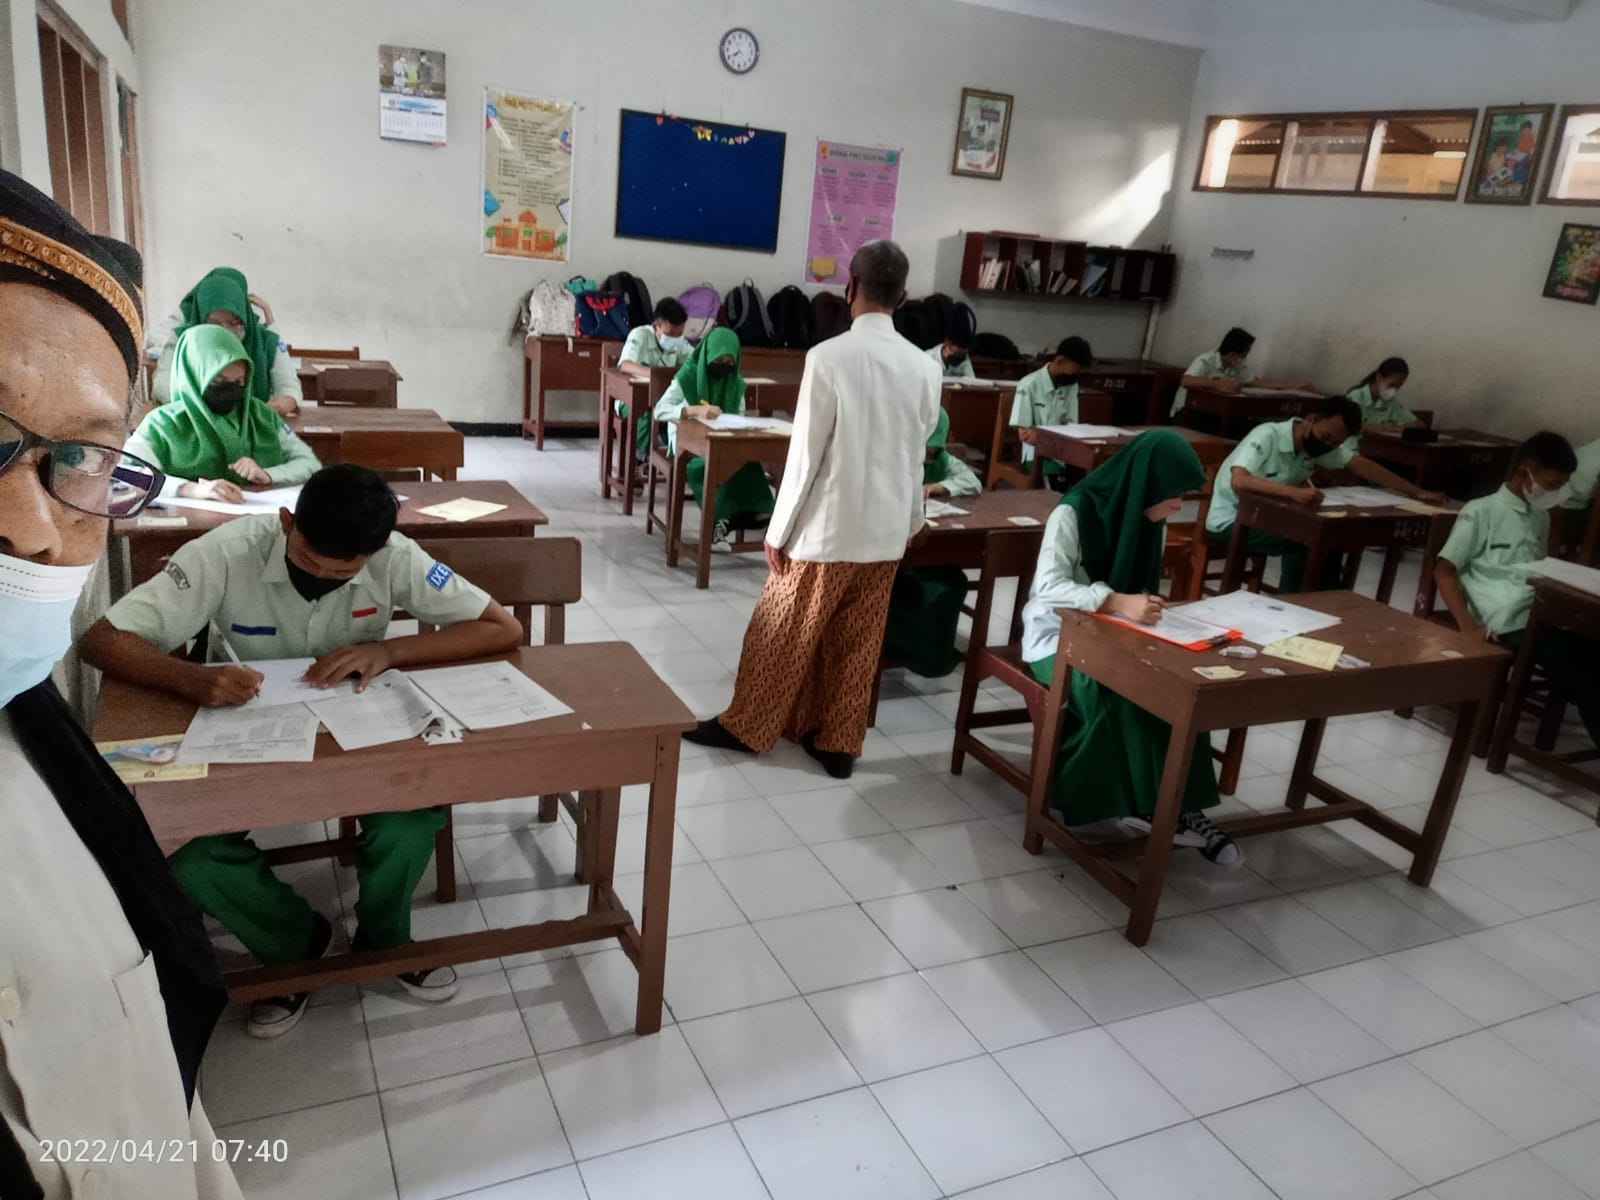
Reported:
(1094, 279)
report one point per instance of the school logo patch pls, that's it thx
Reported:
(179, 579)
(439, 576)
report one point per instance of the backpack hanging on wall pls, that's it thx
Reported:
(830, 316)
(701, 302)
(912, 321)
(790, 315)
(634, 294)
(747, 315)
(994, 345)
(601, 314)
(546, 311)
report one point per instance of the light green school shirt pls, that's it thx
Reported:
(641, 347)
(235, 575)
(1268, 451)
(1375, 410)
(1040, 402)
(964, 371)
(1493, 543)
(1210, 366)
(672, 403)
(959, 479)
(1585, 477)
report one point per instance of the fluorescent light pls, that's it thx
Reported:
(1449, 153)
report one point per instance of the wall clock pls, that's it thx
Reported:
(740, 51)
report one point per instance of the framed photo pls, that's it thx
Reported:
(982, 129)
(1575, 269)
(1511, 142)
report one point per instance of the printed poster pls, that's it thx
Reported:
(853, 195)
(1575, 269)
(411, 94)
(527, 175)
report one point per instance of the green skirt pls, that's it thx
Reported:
(1112, 755)
(744, 502)
(924, 610)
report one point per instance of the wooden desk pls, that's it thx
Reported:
(1463, 463)
(624, 729)
(561, 364)
(1141, 389)
(768, 392)
(389, 439)
(1011, 369)
(958, 541)
(638, 395)
(978, 409)
(1239, 412)
(1323, 534)
(1088, 453)
(771, 360)
(1556, 607)
(1409, 669)
(366, 382)
(150, 547)
(724, 451)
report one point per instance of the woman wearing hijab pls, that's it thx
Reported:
(108, 986)
(1102, 553)
(215, 435)
(222, 297)
(708, 385)
(925, 606)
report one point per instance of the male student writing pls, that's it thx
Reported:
(1225, 370)
(319, 584)
(1278, 460)
(658, 344)
(1482, 571)
(1049, 396)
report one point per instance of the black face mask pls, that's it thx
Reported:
(1062, 381)
(1314, 447)
(224, 397)
(311, 587)
(954, 360)
(718, 370)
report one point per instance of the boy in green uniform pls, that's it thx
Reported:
(1482, 571)
(1049, 396)
(658, 344)
(1225, 369)
(320, 584)
(1278, 460)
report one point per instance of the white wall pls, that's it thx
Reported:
(277, 167)
(1338, 283)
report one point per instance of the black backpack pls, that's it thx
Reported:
(994, 345)
(830, 316)
(634, 294)
(914, 324)
(790, 312)
(746, 315)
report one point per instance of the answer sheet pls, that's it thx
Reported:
(1087, 432)
(488, 695)
(392, 709)
(282, 683)
(1262, 620)
(1585, 579)
(740, 421)
(287, 733)
(1180, 626)
(1360, 497)
(939, 508)
(268, 501)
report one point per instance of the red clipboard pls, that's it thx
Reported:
(1221, 638)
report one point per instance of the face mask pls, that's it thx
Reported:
(954, 360)
(311, 587)
(1388, 393)
(36, 603)
(223, 397)
(1314, 447)
(1545, 498)
(672, 344)
(718, 370)
(1062, 381)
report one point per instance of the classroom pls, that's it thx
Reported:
(873, 600)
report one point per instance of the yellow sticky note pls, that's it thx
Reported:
(823, 268)
(1308, 651)
(146, 760)
(1218, 673)
(1421, 509)
(461, 510)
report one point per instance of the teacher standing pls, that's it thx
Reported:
(850, 500)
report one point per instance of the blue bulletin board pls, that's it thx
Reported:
(682, 180)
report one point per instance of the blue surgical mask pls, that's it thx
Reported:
(36, 603)
(672, 343)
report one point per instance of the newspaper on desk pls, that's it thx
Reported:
(1585, 579)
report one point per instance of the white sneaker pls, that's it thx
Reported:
(434, 985)
(1219, 847)
(719, 539)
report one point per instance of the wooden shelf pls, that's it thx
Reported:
(1008, 264)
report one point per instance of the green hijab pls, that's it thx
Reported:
(1121, 547)
(698, 387)
(191, 441)
(225, 288)
(937, 468)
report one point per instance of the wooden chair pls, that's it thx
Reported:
(1207, 554)
(522, 573)
(658, 469)
(351, 355)
(1005, 459)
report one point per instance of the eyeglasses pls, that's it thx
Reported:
(100, 480)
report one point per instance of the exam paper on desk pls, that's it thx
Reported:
(282, 682)
(392, 709)
(488, 695)
(1585, 579)
(287, 733)
(1263, 620)
(1360, 497)
(1086, 432)
(268, 501)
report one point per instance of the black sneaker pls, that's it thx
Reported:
(719, 539)
(276, 1015)
(1219, 847)
(711, 733)
(835, 762)
(435, 984)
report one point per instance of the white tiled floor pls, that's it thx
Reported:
(874, 993)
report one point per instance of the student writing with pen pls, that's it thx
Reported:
(321, 583)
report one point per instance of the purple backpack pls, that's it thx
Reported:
(702, 303)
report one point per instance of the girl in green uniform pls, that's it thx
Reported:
(1102, 553)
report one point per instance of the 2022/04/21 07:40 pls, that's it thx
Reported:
(127, 1150)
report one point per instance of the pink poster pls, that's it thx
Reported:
(852, 202)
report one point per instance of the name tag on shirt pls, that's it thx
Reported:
(439, 576)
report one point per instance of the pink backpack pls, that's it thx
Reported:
(701, 302)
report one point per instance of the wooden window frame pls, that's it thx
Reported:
(1563, 112)
(1370, 116)
(75, 120)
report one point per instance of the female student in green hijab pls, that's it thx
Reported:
(222, 297)
(925, 605)
(1102, 553)
(215, 435)
(708, 385)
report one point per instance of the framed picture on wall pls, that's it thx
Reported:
(1575, 269)
(982, 128)
(1510, 146)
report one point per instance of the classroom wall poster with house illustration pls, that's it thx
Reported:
(853, 195)
(527, 175)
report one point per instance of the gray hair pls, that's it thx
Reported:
(880, 269)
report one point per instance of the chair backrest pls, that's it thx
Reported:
(521, 573)
(1007, 554)
(378, 449)
(354, 353)
(1096, 407)
(356, 387)
(610, 354)
(1427, 604)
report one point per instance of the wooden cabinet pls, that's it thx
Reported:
(1025, 264)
